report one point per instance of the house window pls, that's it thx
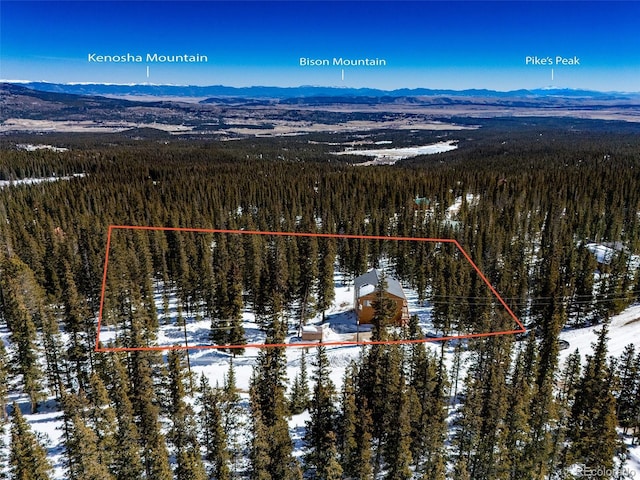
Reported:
(367, 303)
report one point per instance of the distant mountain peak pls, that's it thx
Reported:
(151, 89)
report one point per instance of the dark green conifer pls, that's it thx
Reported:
(182, 434)
(4, 383)
(22, 298)
(320, 434)
(128, 464)
(154, 449)
(383, 311)
(326, 290)
(260, 446)
(362, 466)
(84, 456)
(213, 436)
(269, 403)
(592, 426)
(299, 398)
(232, 416)
(398, 444)
(628, 372)
(27, 457)
(103, 418)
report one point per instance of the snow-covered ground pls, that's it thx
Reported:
(214, 364)
(32, 148)
(623, 330)
(340, 323)
(632, 465)
(389, 156)
(33, 181)
(454, 208)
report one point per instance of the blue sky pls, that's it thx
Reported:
(452, 44)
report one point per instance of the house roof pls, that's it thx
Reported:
(372, 277)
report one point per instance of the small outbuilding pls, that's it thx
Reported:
(312, 333)
(365, 294)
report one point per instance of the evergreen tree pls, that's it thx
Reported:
(320, 434)
(76, 322)
(22, 298)
(326, 290)
(309, 271)
(398, 445)
(213, 435)
(583, 295)
(628, 372)
(478, 438)
(83, 453)
(516, 430)
(154, 449)
(330, 469)
(102, 416)
(183, 432)
(234, 302)
(348, 423)
(269, 409)
(260, 445)
(383, 311)
(128, 464)
(299, 398)
(53, 345)
(427, 407)
(232, 413)
(27, 458)
(363, 469)
(593, 416)
(4, 383)
(461, 471)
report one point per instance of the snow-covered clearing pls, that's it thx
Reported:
(623, 330)
(340, 323)
(470, 198)
(32, 148)
(34, 181)
(389, 156)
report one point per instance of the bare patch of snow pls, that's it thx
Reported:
(32, 148)
(33, 181)
(389, 156)
(623, 330)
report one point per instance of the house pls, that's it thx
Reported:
(365, 294)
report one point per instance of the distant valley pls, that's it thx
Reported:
(227, 112)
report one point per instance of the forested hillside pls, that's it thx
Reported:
(533, 206)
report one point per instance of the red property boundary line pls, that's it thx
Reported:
(522, 329)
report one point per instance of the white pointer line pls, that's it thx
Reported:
(551, 73)
(147, 71)
(343, 74)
